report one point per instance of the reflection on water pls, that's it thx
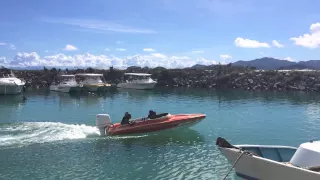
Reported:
(136, 95)
(11, 106)
(313, 112)
(227, 95)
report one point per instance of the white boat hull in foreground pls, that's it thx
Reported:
(267, 162)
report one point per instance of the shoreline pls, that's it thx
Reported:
(216, 77)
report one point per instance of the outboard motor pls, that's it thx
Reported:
(102, 121)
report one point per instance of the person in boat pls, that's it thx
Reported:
(126, 119)
(152, 114)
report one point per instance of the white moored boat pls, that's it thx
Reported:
(67, 83)
(138, 81)
(93, 82)
(273, 162)
(11, 85)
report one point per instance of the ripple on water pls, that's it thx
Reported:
(195, 162)
(64, 151)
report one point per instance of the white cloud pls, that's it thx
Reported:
(225, 57)
(197, 52)
(148, 50)
(289, 59)
(70, 48)
(311, 40)
(247, 43)
(11, 46)
(107, 49)
(103, 61)
(158, 55)
(277, 44)
(119, 42)
(26, 59)
(46, 51)
(120, 49)
(3, 61)
(98, 25)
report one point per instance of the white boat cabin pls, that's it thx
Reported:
(91, 78)
(11, 79)
(137, 77)
(66, 78)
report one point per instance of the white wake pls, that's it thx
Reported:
(40, 132)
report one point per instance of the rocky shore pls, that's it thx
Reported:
(219, 76)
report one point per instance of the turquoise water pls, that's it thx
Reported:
(49, 135)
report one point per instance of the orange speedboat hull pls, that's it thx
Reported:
(159, 124)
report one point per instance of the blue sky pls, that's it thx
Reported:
(170, 33)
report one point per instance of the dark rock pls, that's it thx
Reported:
(219, 76)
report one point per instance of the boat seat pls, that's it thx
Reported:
(159, 115)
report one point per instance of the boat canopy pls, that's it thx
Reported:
(137, 74)
(89, 74)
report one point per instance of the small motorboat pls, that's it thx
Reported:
(138, 81)
(67, 84)
(273, 161)
(160, 122)
(93, 82)
(10, 84)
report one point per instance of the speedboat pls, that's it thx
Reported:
(93, 82)
(11, 85)
(273, 161)
(160, 122)
(67, 84)
(137, 81)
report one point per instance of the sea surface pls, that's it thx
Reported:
(50, 135)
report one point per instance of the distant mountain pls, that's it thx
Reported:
(198, 66)
(265, 63)
(272, 63)
(312, 64)
(294, 66)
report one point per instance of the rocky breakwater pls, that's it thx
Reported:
(218, 76)
(242, 78)
(277, 80)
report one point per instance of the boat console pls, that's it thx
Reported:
(307, 155)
